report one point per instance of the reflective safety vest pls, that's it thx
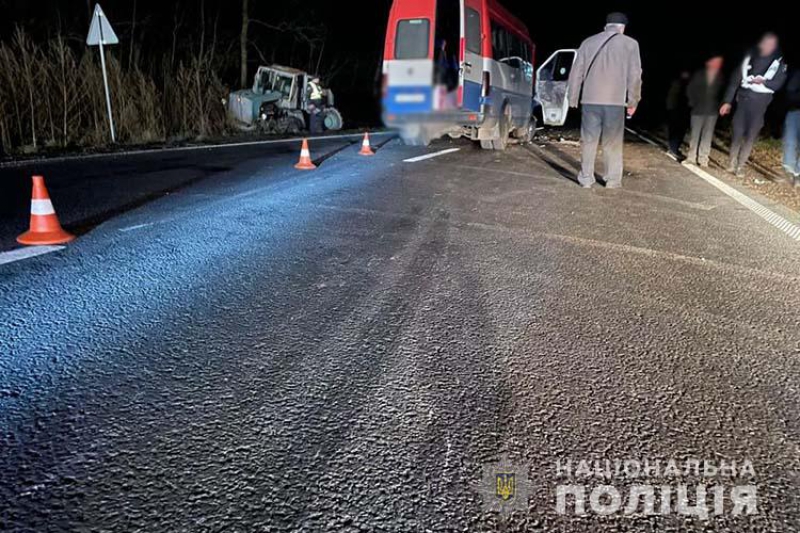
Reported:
(747, 78)
(316, 91)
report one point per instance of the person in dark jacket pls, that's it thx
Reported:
(752, 87)
(705, 97)
(678, 114)
(791, 136)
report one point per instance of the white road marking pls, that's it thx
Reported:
(770, 216)
(138, 226)
(26, 253)
(792, 230)
(431, 156)
(45, 160)
(642, 137)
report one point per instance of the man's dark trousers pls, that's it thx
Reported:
(606, 124)
(747, 123)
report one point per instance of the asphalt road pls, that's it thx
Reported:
(233, 345)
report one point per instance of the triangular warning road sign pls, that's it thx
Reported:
(101, 30)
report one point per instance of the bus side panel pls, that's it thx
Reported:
(509, 84)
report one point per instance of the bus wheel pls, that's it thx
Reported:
(526, 133)
(505, 131)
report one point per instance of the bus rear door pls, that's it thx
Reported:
(408, 58)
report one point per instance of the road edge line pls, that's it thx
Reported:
(150, 151)
(787, 227)
(642, 137)
(20, 254)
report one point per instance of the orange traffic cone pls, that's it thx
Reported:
(365, 147)
(45, 228)
(305, 158)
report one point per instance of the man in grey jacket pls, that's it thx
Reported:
(606, 79)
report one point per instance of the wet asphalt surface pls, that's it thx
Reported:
(233, 345)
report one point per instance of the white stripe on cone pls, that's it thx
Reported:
(42, 207)
(305, 153)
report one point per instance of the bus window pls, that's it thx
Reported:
(413, 39)
(473, 30)
(509, 49)
(499, 43)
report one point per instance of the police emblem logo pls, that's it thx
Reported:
(505, 488)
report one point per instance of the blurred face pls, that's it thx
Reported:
(714, 64)
(768, 45)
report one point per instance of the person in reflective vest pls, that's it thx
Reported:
(752, 87)
(315, 90)
(316, 100)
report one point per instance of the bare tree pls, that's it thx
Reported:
(305, 37)
(28, 62)
(176, 25)
(243, 42)
(202, 28)
(133, 35)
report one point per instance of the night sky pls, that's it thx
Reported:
(673, 35)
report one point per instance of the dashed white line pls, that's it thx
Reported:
(431, 156)
(26, 253)
(138, 226)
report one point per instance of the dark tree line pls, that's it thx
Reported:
(174, 63)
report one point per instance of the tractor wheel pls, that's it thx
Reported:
(332, 119)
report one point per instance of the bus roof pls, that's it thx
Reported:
(504, 16)
(410, 9)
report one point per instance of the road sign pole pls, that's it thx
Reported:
(100, 34)
(108, 94)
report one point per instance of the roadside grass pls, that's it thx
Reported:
(769, 152)
(52, 96)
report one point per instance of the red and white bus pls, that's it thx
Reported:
(458, 67)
